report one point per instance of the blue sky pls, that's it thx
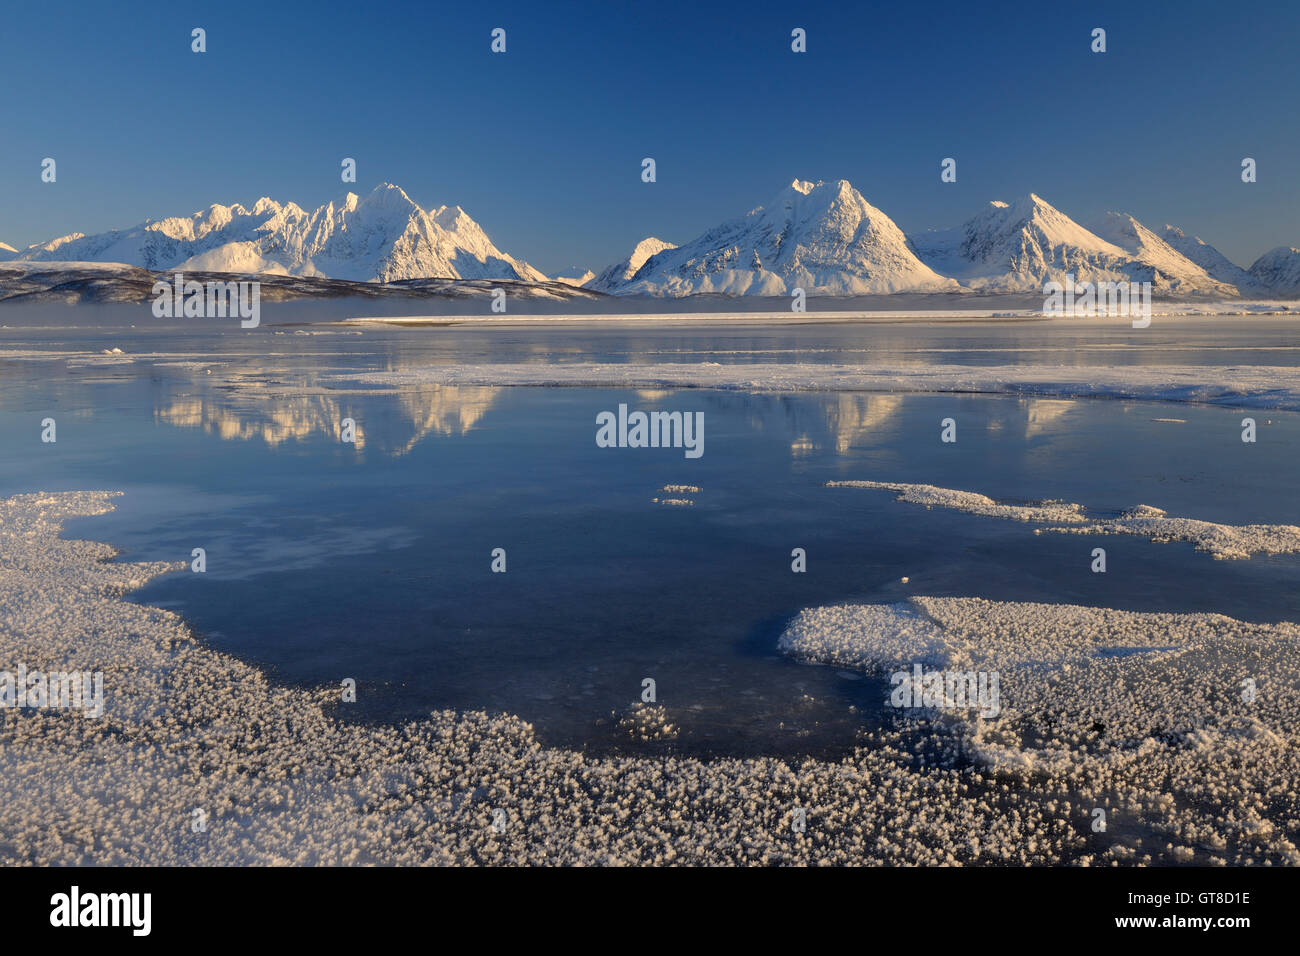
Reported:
(543, 145)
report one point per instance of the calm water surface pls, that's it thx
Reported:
(327, 561)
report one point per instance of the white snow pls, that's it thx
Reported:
(1278, 270)
(1018, 247)
(577, 281)
(970, 502)
(643, 721)
(872, 637)
(1214, 262)
(613, 278)
(237, 257)
(1169, 270)
(20, 266)
(1220, 540)
(385, 237)
(824, 238)
(1139, 713)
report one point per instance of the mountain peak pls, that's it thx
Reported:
(1157, 260)
(383, 237)
(449, 216)
(613, 278)
(387, 196)
(1017, 246)
(1022, 207)
(836, 243)
(1278, 270)
(646, 248)
(1033, 203)
(836, 189)
(823, 237)
(1215, 263)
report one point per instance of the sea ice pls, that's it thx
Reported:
(1164, 737)
(970, 502)
(1220, 540)
(1187, 722)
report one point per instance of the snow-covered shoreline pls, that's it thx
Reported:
(281, 780)
(1190, 711)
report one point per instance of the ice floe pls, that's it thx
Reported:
(970, 502)
(1185, 723)
(646, 721)
(1220, 540)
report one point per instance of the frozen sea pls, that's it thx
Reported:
(327, 560)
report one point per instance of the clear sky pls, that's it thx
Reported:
(543, 145)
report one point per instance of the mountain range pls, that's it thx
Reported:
(822, 237)
(384, 237)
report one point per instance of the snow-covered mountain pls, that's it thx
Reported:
(1213, 261)
(1020, 246)
(383, 237)
(821, 237)
(577, 281)
(1017, 247)
(619, 274)
(1278, 270)
(1171, 271)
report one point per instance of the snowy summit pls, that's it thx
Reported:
(384, 237)
(822, 237)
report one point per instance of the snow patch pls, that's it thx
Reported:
(1220, 540)
(971, 502)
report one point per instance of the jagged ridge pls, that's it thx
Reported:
(384, 237)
